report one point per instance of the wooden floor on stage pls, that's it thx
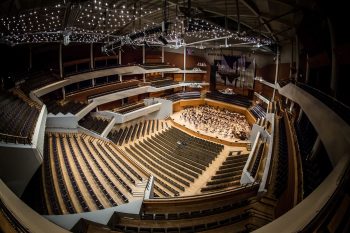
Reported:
(180, 123)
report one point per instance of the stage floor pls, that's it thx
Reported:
(176, 118)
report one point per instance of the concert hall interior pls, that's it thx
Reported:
(164, 116)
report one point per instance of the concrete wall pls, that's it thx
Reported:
(166, 109)
(19, 162)
(68, 121)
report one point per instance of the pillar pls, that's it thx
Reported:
(163, 59)
(63, 92)
(92, 65)
(291, 106)
(60, 60)
(30, 58)
(120, 62)
(184, 76)
(296, 58)
(334, 76)
(276, 73)
(307, 72)
(143, 54)
(315, 148)
(300, 115)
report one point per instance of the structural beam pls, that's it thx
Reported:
(253, 8)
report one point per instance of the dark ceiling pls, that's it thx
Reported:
(245, 23)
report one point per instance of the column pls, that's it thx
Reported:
(307, 72)
(60, 60)
(334, 76)
(300, 115)
(120, 62)
(296, 58)
(162, 59)
(314, 148)
(184, 76)
(92, 65)
(144, 60)
(63, 92)
(276, 74)
(30, 58)
(143, 54)
(291, 106)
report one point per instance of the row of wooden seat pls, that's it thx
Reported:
(117, 88)
(86, 174)
(129, 108)
(228, 174)
(122, 135)
(281, 180)
(56, 107)
(94, 124)
(175, 168)
(163, 83)
(231, 99)
(258, 111)
(256, 159)
(17, 119)
(184, 95)
(189, 229)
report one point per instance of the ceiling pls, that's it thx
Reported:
(243, 24)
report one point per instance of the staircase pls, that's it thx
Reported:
(139, 190)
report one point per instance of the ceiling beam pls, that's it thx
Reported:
(254, 9)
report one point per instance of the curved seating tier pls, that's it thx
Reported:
(129, 108)
(184, 95)
(258, 111)
(175, 158)
(82, 173)
(229, 173)
(56, 107)
(125, 134)
(231, 99)
(17, 119)
(94, 124)
(223, 212)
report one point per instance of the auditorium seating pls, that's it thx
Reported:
(17, 119)
(256, 158)
(229, 173)
(152, 66)
(163, 82)
(86, 85)
(127, 108)
(130, 132)
(56, 107)
(38, 79)
(316, 167)
(119, 87)
(231, 99)
(183, 95)
(281, 179)
(341, 109)
(94, 124)
(12, 223)
(175, 158)
(232, 209)
(88, 174)
(258, 111)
